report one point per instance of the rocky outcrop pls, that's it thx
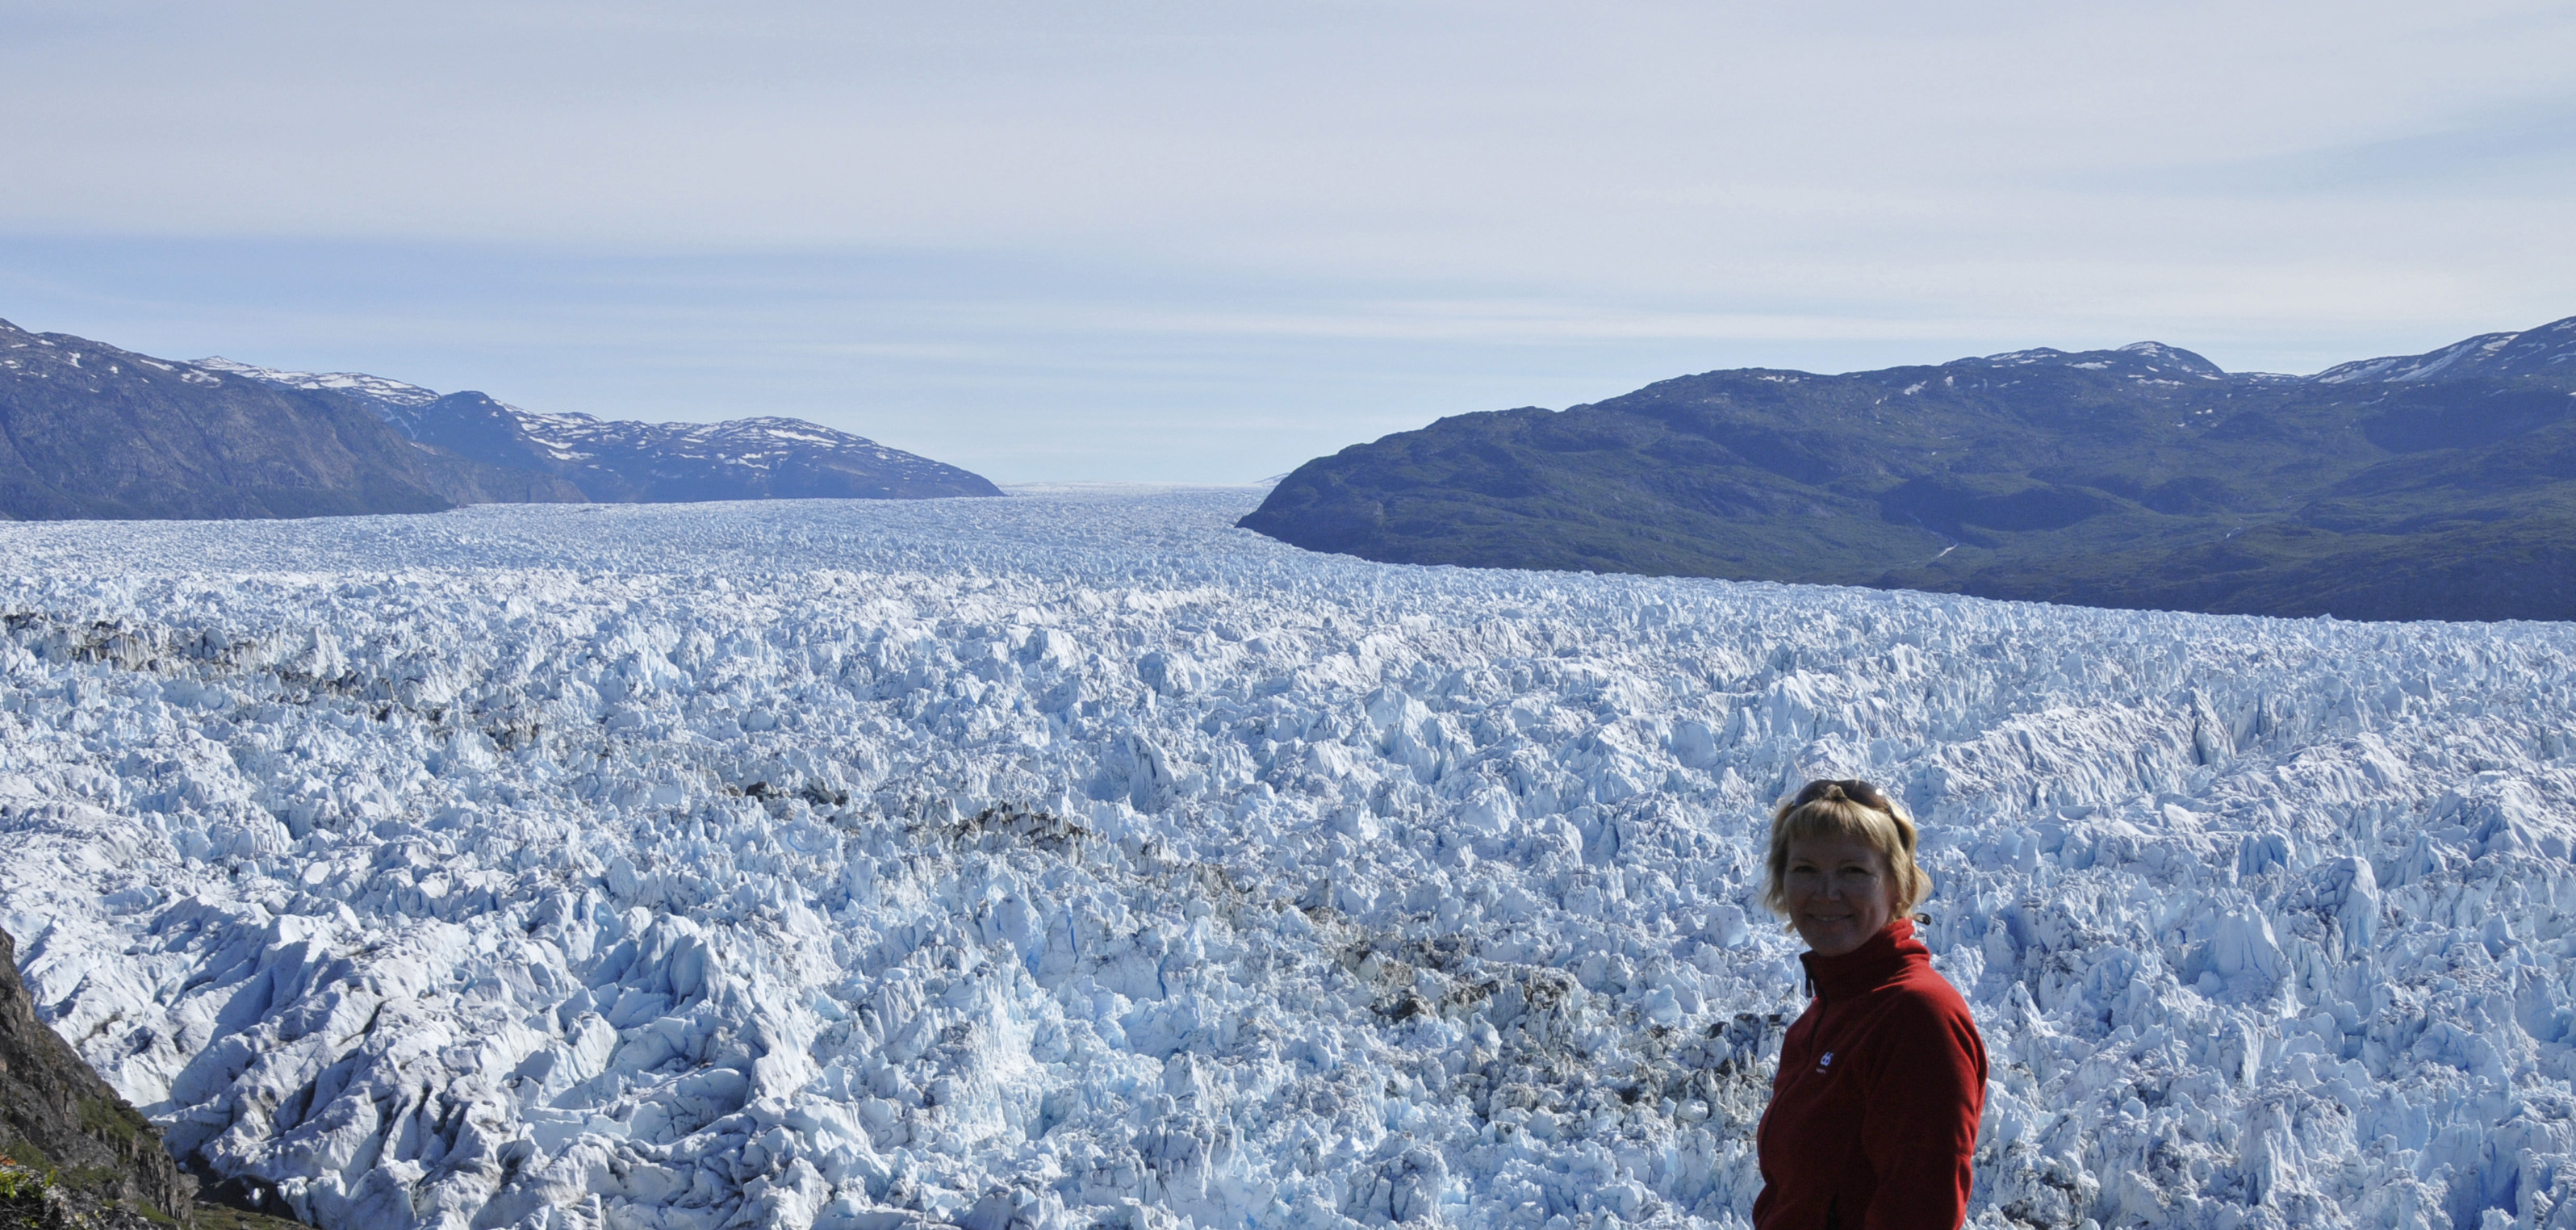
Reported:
(95, 1158)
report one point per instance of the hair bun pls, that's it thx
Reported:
(1834, 791)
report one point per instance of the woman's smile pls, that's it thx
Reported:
(1840, 893)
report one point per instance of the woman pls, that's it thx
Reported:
(1873, 1116)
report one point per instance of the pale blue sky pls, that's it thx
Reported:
(1181, 242)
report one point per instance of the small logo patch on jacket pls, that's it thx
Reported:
(1826, 1062)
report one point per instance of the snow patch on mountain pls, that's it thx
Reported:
(375, 389)
(2547, 352)
(1077, 860)
(738, 441)
(2138, 360)
(570, 442)
(754, 443)
(2401, 369)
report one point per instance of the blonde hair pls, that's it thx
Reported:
(1834, 815)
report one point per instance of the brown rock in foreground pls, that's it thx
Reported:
(82, 1158)
(58, 1117)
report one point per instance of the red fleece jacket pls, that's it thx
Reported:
(1873, 1116)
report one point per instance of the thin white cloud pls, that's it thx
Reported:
(1088, 193)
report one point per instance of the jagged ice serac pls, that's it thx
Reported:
(1078, 860)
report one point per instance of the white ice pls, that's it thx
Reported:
(1075, 860)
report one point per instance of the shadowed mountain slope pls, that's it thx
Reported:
(91, 431)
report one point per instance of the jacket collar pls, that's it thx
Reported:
(1878, 959)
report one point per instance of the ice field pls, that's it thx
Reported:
(1077, 860)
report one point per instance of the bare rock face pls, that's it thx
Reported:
(102, 1159)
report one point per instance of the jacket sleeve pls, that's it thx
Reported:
(1919, 1133)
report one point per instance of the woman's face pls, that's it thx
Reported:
(1840, 893)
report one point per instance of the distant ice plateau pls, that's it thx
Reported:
(1077, 860)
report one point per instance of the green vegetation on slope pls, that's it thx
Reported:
(2143, 477)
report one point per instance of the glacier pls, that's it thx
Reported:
(1077, 860)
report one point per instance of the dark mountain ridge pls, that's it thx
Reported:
(742, 459)
(622, 461)
(88, 430)
(2440, 485)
